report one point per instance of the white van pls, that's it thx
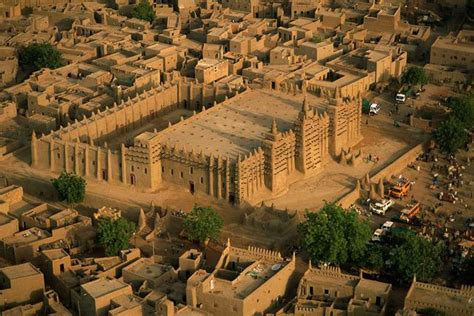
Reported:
(377, 236)
(400, 98)
(381, 207)
(374, 109)
(387, 226)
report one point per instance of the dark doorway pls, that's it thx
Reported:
(104, 174)
(191, 187)
(231, 198)
(273, 85)
(132, 179)
(311, 291)
(378, 301)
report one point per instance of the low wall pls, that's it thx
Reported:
(399, 164)
(392, 169)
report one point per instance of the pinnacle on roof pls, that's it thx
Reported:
(306, 107)
(274, 127)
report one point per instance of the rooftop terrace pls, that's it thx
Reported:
(102, 287)
(20, 271)
(229, 283)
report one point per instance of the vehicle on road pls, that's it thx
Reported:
(377, 236)
(374, 109)
(400, 189)
(381, 207)
(400, 98)
(408, 214)
(387, 226)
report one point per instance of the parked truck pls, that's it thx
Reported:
(408, 214)
(400, 189)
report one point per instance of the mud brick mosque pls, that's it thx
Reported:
(240, 144)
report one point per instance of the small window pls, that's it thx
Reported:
(146, 171)
(191, 170)
(162, 169)
(59, 155)
(93, 163)
(202, 180)
(181, 174)
(171, 171)
(133, 168)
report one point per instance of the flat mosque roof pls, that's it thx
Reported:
(239, 125)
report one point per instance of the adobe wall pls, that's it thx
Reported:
(38, 3)
(9, 228)
(464, 294)
(399, 164)
(386, 173)
(11, 194)
(266, 294)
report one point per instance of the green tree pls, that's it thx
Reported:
(317, 39)
(70, 187)
(412, 254)
(415, 76)
(463, 110)
(114, 235)
(470, 8)
(334, 235)
(374, 257)
(202, 224)
(36, 56)
(144, 11)
(450, 135)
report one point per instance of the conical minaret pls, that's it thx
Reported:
(274, 127)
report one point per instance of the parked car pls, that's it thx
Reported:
(374, 109)
(377, 236)
(400, 98)
(381, 207)
(387, 226)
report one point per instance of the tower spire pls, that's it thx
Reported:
(274, 127)
(306, 107)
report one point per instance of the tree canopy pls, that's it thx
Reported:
(70, 187)
(411, 254)
(470, 8)
(144, 11)
(114, 235)
(40, 55)
(415, 76)
(463, 110)
(202, 223)
(317, 38)
(334, 235)
(450, 135)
